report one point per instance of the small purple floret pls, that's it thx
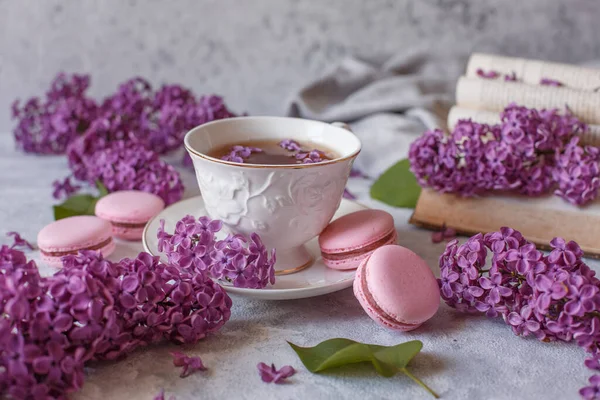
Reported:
(64, 189)
(189, 364)
(271, 374)
(487, 74)
(550, 82)
(290, 145)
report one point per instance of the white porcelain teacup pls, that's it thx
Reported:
(287, 205)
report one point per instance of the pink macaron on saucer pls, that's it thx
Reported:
(71, 235)
(396, 288)
(350, 239)
(129, 211)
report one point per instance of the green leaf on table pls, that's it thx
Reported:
(80, 204)
(387, 360)
(397, 186)
(102, 190)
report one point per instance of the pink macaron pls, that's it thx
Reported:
(128, 211)
(396, 288)
(350, 239)
(70, 235)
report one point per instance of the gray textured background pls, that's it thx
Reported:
(256, 53)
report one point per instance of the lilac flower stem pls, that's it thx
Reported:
(419, 382)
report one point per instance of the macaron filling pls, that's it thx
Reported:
(128, 224)
(384, 315)
(67, 252)
(356, 252)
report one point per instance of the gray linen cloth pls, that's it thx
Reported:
(388, 101)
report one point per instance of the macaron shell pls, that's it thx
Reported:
(128, 233)
(57, 262)
(355, 230)
(73, 233)
(354, 261)
(129, 206)
(371, 309)
(401, 285)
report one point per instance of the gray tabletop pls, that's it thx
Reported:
(463, 357)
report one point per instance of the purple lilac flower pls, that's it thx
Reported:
(356, 173)
(577, 173)
(592, 391)
(563, 253)
(47, 126)
(189, 364)
(532, 152)
(64, 189)
(310, 157)
(522, 322)
(95, 309)
(161, 396)
(157, 119)
(238, 153)
(487, 74)
(512, 77)
(244, 262)
(550, 82)
(18, 241)
(348, 194)
(290, 145)
(444, 233)
(271, 374)
(552, 298)
(124, 165)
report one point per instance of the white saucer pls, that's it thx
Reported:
(313, 281)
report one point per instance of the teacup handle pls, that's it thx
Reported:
(342, 125)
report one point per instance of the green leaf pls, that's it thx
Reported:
(387, 360)
(102, 190)
(397, 186)
(81, 204)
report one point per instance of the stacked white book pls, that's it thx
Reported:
(482, 99)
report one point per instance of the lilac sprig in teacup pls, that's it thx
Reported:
(241, 261)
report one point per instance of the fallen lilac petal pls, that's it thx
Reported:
(189, 364)
(356, 173)
(449, 233)
(348, 195)
(550, 82)
(487, 75)
(271, 374)
(437, 237)
(161, 396)
(512, 77)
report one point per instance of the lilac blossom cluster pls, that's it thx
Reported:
(123, 165)
(94, 309)
(130, 128)
(553, 297)
(193, 246)
(157, 118)
(48, 125)
(530, 152)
